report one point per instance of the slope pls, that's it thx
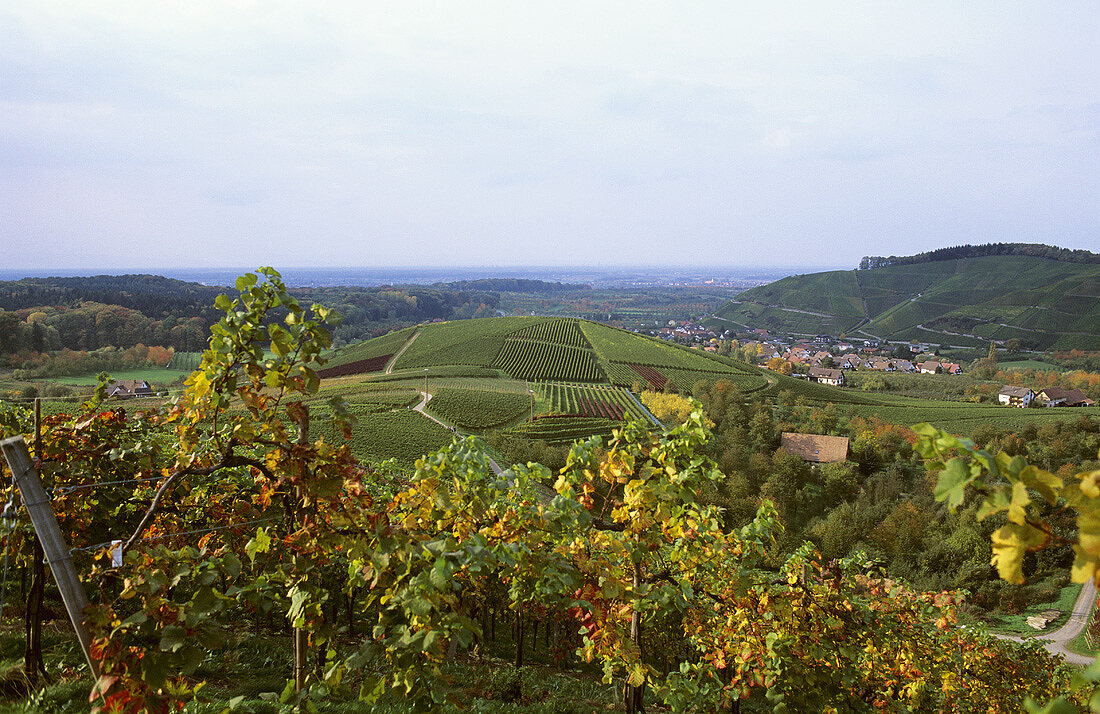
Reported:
(1046, 304)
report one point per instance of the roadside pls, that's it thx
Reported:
(1056, 642)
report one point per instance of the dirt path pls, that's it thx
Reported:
(420, 408)
(393, 360)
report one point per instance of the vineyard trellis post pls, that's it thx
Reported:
(301, 642)
(54, 545)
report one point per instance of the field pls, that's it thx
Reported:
(525, 359)
(1029, 364)
(558, 430)
(464, 342)
(385, 345)
(963, 419)
(628, 358)
(160, 377)
(403, 435)
(472, 409)
(607, 401)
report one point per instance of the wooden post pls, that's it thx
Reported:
(301, 642)
(54, 546)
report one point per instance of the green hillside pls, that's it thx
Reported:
(1046, 304)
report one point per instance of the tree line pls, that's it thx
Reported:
(1034, 250)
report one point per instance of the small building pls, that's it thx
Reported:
(1058, 397)
(128, 389)
(821, 375)
(929, 367)
(1077, 398)
(815, 448)
(1015, 396)
(1052, 397)
(903, 365)
(951, 368)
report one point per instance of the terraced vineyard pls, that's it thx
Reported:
(603, 400)
(526, 359)
(556, 331)
(564, 429)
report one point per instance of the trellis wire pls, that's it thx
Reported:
(68, 489)
(181, 533)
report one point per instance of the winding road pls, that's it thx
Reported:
(1056, 641)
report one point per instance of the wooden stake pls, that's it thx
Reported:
(301, 642)
(54, 546)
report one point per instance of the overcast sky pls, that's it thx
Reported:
(145, 134)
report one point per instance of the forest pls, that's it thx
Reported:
(1034, 250)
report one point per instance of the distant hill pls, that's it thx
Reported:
(1045, 302)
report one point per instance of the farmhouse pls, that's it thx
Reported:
(929, 367)
(129, 388)
(834, 377)
(1058, 397)
(1015, 396)
(815, 448)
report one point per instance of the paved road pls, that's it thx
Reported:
(1056, 641)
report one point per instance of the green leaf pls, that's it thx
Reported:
(172, 638)
(1044, 483)
(952, 483)
(259, 544)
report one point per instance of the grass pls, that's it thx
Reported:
(156, 375)
(1017, 624)
(1029, 364)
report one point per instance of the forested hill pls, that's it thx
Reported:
(152, 295)
(1033, 250)
(89, 313)
(1042, 302)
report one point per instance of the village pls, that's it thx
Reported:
(826, 359)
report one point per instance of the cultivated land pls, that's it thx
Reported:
(559, 379)
(968, 301)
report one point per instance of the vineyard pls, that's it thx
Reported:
(262, 556)
(362, 366)
(525, 359)
(473, 409)
(462, 342)
(564, 429)
(555, 331)
(386, 345)
(596, 401)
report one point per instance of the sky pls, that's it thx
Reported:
(145, 134)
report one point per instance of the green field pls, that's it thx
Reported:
(158, 376)
(385, 345)
(472, 409)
